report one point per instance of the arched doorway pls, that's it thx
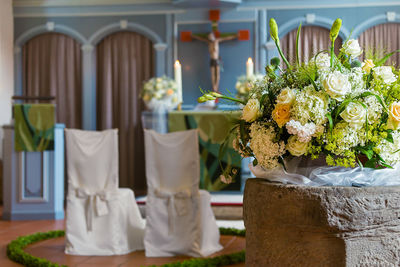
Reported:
(51, 66)
(312, 40)
(124, 61)
(381, 39)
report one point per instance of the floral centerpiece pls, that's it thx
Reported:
(160, 92)
(244, 84)
(332, 107)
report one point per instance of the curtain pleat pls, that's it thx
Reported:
(312, 40)
(380, 39)
(52, 67)
(124, 61)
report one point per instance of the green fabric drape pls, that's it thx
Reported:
(34, 127)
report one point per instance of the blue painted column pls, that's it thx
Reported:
(17, 70)
(262, 30)
(160, 58)
(89, 87)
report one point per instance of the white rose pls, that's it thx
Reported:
(251, 111)
(287, 96)
(295, 147)
(323, 61)
(354, 114)
(352, 48)
(238, 85)
(337, 85)
(385, 73)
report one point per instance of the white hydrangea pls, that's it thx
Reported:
(375, 109)
(357, 82)
(265, 149)
(390, 151)
(347, 137)
(304, 132)
(310, 105)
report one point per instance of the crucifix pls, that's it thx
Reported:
(213, 39)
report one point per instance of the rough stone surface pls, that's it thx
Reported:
(290, 225)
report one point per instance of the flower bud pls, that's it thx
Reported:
(275, 61)
(335, 29)
(216, 94)
(273, 30)
(355, 64)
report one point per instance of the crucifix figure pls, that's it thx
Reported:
(213, 39)
(215, 59)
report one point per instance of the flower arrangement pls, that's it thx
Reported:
(244, 84)
(160, 91)
(332, 106)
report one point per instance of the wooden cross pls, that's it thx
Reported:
(213, 39)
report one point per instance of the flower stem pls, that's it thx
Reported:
(233, 99)
(332, 52)
(281, 54)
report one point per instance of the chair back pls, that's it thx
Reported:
(172, 160)
(92, 159)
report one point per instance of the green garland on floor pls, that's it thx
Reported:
(15, 252)
(15, 249)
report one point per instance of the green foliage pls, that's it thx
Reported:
(15, 249)
(16, 253)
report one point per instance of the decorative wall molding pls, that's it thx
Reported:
(116, 27)
(64, 3)
(379, 19)
(29, 34)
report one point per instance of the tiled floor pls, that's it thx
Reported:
(53, 249)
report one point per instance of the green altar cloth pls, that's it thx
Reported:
(34, 127)
(213, 128)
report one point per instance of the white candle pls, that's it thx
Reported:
(249, 68)
(178, 80)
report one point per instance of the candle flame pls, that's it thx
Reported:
(249, 60)
(177, 63)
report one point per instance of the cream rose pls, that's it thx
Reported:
(251, 111)
(323, 61)
(394, 116)
(287, 96)
(352, 48)
(367, 65)
(337, 85)
(354, 114)
(385, 73)
(295, 147)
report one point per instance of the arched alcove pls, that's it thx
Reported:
(381, 39)
(52, 66)
(124, 62)
(312, 40)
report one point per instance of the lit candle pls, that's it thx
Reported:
(178, 80)
(249, 68)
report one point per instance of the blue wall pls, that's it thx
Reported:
(167, 21)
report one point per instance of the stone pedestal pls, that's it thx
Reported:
(290, 225)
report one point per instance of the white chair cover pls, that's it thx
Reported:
(101, 218)
(179, 218)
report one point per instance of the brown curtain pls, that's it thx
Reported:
(124, 61)
(52, 67)
(381, 39)
(312, 40)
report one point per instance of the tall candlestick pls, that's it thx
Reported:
(249, 68)
(178, 80)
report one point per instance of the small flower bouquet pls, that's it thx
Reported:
(244, 85)
(332, 107)
(160, 92)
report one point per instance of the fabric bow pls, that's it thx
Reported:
(97, 203)
(176, 203)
